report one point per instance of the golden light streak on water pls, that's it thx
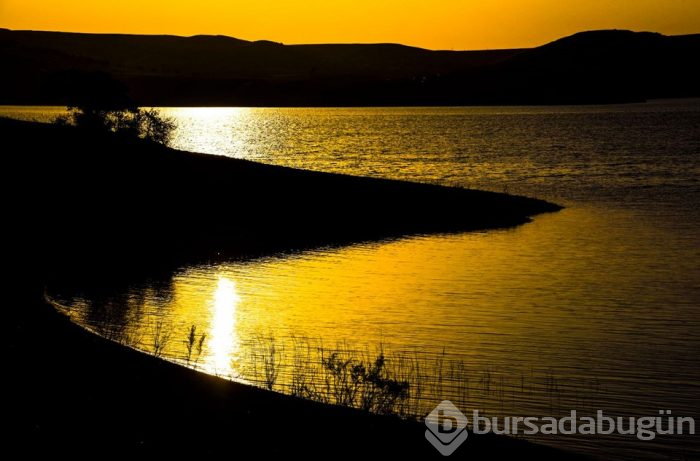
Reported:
(222, 345)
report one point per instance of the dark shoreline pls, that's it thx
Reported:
(125, 202)
(108, 209)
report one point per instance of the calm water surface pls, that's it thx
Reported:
(593, 308)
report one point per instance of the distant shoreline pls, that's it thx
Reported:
(582, 105)
(591, 67)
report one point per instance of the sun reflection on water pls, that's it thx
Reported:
(212, 130)
(223, 341)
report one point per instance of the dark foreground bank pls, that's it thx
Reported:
(108, 199)
(105, 209)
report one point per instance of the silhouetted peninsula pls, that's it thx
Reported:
(136, 199)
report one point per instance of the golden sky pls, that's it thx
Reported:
(436, 24)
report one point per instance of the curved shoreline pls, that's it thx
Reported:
(151, 203)
(112, 199)
(135, 403)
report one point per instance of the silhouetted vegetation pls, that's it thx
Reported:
(129, 122)
(160, 336)
(98, 103)
(396, 383)
(368, 386)
(194, 345)
(336, 376)
(400, 383)
(266, 354)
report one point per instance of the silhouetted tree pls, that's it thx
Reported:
(100, 104)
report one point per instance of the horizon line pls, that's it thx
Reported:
(343, 43)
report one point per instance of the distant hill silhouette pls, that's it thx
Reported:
(589, 67)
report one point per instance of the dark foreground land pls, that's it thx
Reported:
(102, 208)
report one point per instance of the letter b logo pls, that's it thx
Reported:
(446, 428)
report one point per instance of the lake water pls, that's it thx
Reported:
(596, 307)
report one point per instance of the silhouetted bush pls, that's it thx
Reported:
(367, 386)
(98, 103)
(129, 122)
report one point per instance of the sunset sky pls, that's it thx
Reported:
(437, 24)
